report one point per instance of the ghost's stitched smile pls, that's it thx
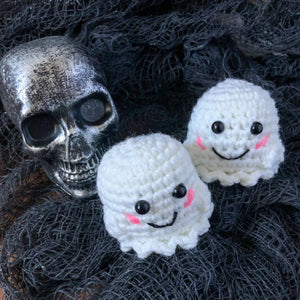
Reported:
(142, 207)
(169, 224)
(232, 158)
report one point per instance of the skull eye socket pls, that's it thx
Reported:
(94, 110)
(39, 130)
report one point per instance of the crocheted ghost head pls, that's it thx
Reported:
(152, 196)
(233, 134)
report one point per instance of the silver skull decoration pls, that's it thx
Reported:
(55, 95)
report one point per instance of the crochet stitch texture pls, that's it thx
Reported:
(149, 168)
(235, 154)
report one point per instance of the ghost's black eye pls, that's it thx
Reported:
(142, 207)
(40, 129)
(179, 191)
(256, 128)
(217, 127)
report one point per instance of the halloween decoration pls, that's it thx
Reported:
(57, 99)
(153, 198)
(159, 57)
(233, 134)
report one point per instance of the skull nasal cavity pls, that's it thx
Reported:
(79, 148)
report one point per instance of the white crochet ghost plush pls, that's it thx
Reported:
(233, 134)
(153, 198)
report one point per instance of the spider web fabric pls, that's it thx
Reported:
(158, 57)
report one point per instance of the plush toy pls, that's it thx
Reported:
(233, 134)
(152, 195)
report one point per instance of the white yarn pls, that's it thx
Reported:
(237, 104)
(149, 168)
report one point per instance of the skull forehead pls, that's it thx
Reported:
(144, 166)
(43, 74)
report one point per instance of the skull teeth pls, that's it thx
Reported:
(82, 171)
(82, 177)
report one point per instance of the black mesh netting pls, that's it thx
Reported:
(158, 56)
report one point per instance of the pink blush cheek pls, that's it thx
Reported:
(190, 197)
(199, 142)
(132, 219)
(262, 143)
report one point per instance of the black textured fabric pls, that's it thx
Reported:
(158, 56)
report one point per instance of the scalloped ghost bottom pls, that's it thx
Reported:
(153, 198)
(233, 134)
